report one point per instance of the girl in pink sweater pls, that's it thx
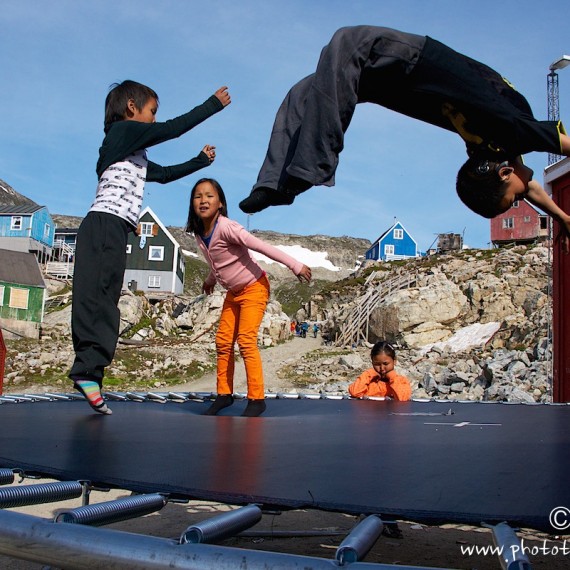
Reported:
(225, 245)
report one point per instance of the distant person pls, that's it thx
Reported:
(424, 79)
(101, 254)
(225, 245)
(304, 329)
(382, 380)
(315, 330)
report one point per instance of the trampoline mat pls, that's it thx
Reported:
(430, 462)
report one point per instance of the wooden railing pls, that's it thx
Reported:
(59, 269)
(355, 326)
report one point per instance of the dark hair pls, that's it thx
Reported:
(383, 347)
(480, 187)
(118, 98)
(194, 224)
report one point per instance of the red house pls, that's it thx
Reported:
(522, 223)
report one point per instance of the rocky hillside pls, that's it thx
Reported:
(9, 196)
(499, 297)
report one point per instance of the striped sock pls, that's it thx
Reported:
(90, 389)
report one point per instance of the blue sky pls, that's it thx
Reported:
(58, 58)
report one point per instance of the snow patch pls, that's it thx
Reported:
(473, 335)
(302, 254)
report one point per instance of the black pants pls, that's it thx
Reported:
(100, 261)
(308, 133)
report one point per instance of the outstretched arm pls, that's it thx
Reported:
(537, 196)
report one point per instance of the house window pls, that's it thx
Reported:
(154, 281)
(147, 229)
(388, 249)
(543, 222)
(19, 298)
(515, 204)
(508, 223)
(129, 248)
(47, 229)
(1, 295)
(16, 223)
(156, 253)
(526, 219)
(399, 234)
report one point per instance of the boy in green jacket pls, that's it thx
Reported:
(100, 258)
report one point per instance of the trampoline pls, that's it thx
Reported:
(431, 462)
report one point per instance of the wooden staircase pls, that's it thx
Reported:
(355, 327)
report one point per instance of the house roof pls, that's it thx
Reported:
(149, 211)
(19, 209)
(20, 268)
(66, 231)
(395, 224)
(508, 213)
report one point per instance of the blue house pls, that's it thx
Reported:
(394, 243)
(27, 228)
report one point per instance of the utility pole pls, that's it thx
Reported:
(553, 96)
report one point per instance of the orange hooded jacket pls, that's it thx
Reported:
(369, 384)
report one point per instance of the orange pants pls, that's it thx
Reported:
(241, 316)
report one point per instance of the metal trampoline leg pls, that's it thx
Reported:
(360, 540)
(511, 554)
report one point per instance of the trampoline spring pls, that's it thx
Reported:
(156, 397)
(360, 540)
(136, 397)
(6, 476)
(222, 526)
(113, 511)
(40, 493)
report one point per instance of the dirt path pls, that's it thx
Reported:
(273, 359)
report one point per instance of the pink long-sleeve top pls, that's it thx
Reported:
(231, 263)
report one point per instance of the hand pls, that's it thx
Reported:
(208, 289)
(563, 234)
(223, 96)
(305, 274)
(210, 152)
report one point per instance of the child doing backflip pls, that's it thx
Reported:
(382, 380)
(101, 252)
(225, 245)
(424, 79)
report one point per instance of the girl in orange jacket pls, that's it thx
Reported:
(382, 380)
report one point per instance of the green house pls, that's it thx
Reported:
(22, 294)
